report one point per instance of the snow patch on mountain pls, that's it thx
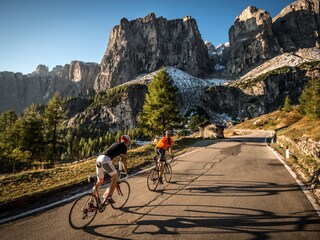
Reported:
(216, 51)
(185, 82)
(190, 89)
(182, 80)
(292, 59)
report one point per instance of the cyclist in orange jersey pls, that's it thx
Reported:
(161, 151)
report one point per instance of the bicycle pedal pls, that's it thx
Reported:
(102, 208)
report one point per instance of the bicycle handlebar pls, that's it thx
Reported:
(123, 175)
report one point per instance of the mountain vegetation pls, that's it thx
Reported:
(310, 99)
(39, 138)
(160, 111)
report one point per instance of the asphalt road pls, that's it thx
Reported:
(231, 189)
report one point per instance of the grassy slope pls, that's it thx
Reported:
(15, 186)
(291, 124)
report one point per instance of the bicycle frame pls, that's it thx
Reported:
(85, 208)
(154, 174)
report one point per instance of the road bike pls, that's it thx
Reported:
(86, 207)
(153, 175)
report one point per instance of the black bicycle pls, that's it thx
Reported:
(153, 175)
(86, 207)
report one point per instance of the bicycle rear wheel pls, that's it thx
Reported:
(167, 172)
(83, 211)
(152, 179)
(121, 195)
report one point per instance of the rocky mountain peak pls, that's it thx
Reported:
(251, 41)
(251, 21)
(252, 12)
(150, 17)
(41, 70)
(255, 37)
(298, 25)
(310, 6)
(210, 46)
(146, 44)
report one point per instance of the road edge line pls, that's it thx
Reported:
(28, 213)
(304, 189)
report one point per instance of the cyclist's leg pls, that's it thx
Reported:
(108, 167)
(161, 161)
(161, 168)
(100, 173)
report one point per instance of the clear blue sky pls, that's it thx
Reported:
(49, 32)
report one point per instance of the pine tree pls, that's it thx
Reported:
(160, 109)
(7, 143)
(310, 99)
(29, 131)
(7, 119)
(287, 104)
(53, 119)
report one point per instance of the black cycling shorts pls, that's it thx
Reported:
(161, 153)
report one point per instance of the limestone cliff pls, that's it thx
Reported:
(146, 44)
(265, 88)
(18, 91)
(252, 41)
(298, 25)
(256, 38)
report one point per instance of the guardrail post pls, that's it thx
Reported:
(287, 152)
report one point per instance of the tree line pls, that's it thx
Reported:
(39, 137)
(309, 99)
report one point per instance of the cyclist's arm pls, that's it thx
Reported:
(124, 161)
(170, 150)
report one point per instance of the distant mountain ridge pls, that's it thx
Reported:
(18, 91)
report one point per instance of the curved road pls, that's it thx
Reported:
(230, 189)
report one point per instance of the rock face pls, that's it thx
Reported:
(261, 95)
(146, 44)
(255, 37)
(18, 91)
(298, 25)
(119, 114)
(251, 41)
(84, 74)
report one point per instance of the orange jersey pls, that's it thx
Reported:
(164, 143)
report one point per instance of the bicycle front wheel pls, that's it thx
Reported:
(83, 211)
(167, 172)
(121, 195)
(152, 179)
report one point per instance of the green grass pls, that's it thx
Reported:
(15, 186)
